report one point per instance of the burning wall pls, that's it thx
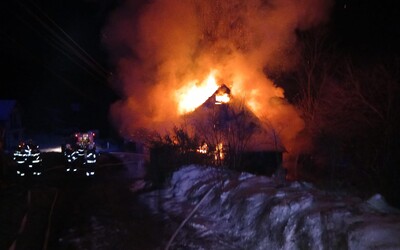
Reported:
(169, 53)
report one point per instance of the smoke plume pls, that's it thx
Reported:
(161, 46)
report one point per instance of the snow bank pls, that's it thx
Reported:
(256, 212)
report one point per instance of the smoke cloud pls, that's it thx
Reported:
(160, 46)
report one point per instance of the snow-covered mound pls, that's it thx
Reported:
(244, 211)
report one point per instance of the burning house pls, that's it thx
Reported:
(235, 135)
(172, 56)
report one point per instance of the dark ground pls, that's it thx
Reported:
(88, 213)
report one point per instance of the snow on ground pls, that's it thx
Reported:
(244, 211)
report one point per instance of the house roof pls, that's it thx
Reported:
(237, 113)
(6, 108)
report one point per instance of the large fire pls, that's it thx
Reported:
(170, 56)
(195, 93)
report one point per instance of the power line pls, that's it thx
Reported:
(88, 58)
(63, 79)
(66, 46)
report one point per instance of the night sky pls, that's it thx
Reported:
(54, 63)
(367, 29)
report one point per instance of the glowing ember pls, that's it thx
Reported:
(194, 94)
(219, 153)
(203, 149)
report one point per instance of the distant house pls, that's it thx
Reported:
(11, 130)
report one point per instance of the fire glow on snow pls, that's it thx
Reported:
(244, 211)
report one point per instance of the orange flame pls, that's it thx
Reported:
(174, 39)
(192, 95)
